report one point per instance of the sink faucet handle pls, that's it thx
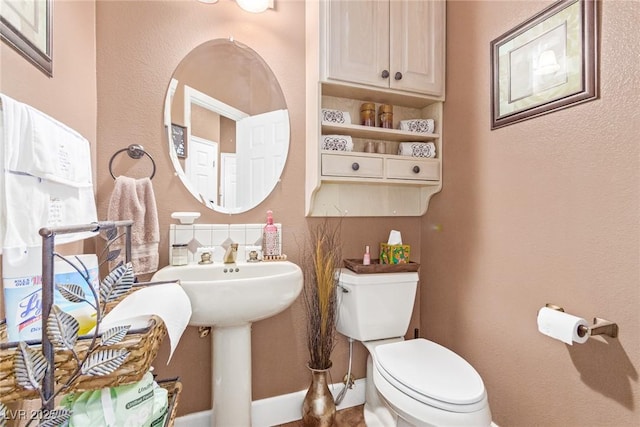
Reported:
(205, 258)
(254, 253)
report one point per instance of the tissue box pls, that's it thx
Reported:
(394, 254)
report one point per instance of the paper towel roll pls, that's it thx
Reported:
(168, 301)
(561, 326)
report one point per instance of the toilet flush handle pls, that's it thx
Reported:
(343, 289)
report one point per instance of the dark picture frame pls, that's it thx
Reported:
(179, 139)
(545, 64)
(26, 26)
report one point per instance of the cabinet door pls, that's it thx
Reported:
(357, 48)
(417, 46)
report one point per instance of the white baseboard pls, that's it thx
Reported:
(278, 409)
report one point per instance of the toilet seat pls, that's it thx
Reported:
(431, 374)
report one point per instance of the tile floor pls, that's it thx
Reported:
(350, 417)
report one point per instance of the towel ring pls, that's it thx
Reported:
(135, 151)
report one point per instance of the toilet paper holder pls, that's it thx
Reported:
(600, 326)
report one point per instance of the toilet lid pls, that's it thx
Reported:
(427, 371)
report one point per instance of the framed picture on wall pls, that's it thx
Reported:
(179, 138)
(546, 63)
(25, 25)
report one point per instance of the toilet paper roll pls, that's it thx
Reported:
(168, 301)
(561, 326)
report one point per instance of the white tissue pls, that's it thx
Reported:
(395, 238)
(168, 301)
(561, 326)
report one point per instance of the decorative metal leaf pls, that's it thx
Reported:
(57, 417)
(3, 415)
(117, 283)
(112, 233)
(104, 362)
(72, 292)
(30, 367)
(114, 335)
(62, 328)
(112, 255)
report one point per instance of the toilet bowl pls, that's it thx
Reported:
(416, 382)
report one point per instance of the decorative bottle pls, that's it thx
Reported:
(270, 237)
(366, 259)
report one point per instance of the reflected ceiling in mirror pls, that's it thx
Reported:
(227, 126)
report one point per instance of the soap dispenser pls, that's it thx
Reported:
(270, 237)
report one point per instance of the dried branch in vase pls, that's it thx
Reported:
(321, 258)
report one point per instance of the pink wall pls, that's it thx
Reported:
(541, 211)
(546, 210)
(139, 46)
(70, 95)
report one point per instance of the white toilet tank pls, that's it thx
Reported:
(375, 306)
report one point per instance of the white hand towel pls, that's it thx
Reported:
(41, 146)
(45, 181)
(31, 203)
(337, 142)
(134, 199)
(335, 116)
(417, 149)
(418, 125)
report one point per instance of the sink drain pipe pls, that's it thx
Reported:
(348, 381)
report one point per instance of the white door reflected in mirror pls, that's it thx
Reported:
(236, 126)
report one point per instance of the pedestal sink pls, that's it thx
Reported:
(229, 297)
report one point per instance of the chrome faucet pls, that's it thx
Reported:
(230, 254)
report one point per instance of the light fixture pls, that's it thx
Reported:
(253, 6)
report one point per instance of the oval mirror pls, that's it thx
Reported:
(227, 126)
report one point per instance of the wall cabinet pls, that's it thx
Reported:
(343, 72)
(396, 44)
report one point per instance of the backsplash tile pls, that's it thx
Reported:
(215, 235)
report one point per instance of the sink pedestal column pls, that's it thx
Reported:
(231, 376)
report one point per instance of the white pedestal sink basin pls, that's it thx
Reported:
(229, 297)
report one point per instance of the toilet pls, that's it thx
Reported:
(409, 383)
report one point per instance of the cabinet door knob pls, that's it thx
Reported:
(416, 169)
(398, 76)
(385, 74)
(355, 166)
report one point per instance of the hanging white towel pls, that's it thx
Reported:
(41, 146)
(134, 199)
(55, 189)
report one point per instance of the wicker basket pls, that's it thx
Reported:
(173, 387)
(143, 345)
